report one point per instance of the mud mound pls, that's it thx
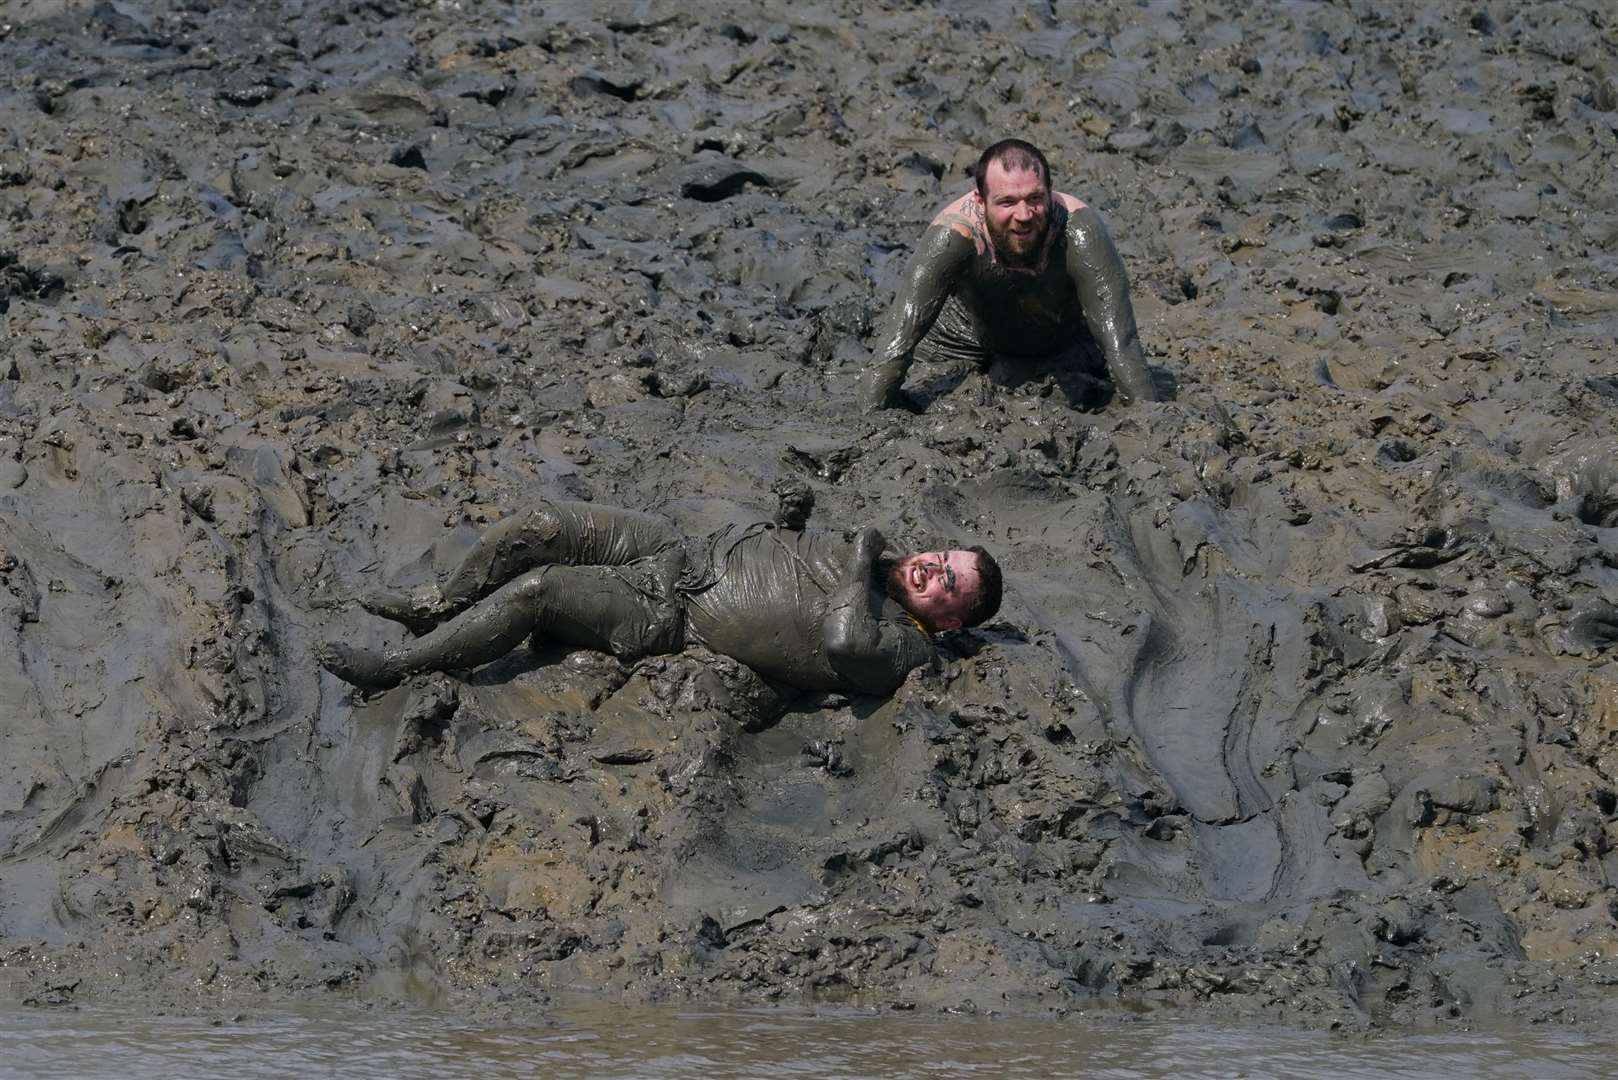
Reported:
(1304, 693)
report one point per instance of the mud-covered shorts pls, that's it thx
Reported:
(1078, 368)
(607, 578)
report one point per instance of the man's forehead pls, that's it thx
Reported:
(1016, 176)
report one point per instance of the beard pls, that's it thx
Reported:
(1013, 250)
(888, 573)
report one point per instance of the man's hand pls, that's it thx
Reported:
(868, 544)
(879, 389)
(874, 398)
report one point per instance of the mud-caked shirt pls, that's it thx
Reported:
(763, 595)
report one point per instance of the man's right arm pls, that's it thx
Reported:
(869, 656)
(929, 279)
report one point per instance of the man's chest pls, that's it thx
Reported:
(1044, 295)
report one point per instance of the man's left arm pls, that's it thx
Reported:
(869, 655)
(1103, 287)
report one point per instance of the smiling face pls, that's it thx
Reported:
(1016, 210)
(936, 587)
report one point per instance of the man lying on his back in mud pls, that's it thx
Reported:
(808, 609)
(1014, 276)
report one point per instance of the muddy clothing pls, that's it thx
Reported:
(959, 301)
(802, 608)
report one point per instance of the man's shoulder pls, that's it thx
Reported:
(1083, 226)
(963, 216)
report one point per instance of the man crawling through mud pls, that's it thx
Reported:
(1019, 281)
(807, 609)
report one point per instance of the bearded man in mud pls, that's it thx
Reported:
(1018, 280)
(808, 609)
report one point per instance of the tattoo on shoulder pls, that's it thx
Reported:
(965, 217)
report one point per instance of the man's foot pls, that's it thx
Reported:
(359, 667)
(418, 610)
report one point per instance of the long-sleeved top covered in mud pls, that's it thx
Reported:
(803, 608)
(967, 304)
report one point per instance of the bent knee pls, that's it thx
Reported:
(543, 521)
(532, 586)
(540, 527)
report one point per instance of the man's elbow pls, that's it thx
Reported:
(844, 644)
(858, 670)
(874, 683)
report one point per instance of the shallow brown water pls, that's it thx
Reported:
(669, 1043)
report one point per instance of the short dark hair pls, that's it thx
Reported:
(987, 600)
(1011, 154)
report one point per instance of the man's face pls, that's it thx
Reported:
(935, 587)
(1016, 209)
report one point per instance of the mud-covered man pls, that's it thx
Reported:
(808, 609)
(1013, 274)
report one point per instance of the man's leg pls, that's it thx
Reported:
(952, 339)
(549, 533)
(616, 610)
(1081, 374)
(946, 355)
(1078, 371)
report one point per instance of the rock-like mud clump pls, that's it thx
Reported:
(1303, 702)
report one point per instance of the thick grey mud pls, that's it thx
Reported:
(1303, 702)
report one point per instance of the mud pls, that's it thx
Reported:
(1302, 703)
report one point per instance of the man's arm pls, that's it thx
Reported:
(928, 281)
(870, 656)
(1103, 287)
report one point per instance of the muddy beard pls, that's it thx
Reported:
(1002, 241)
(887, 572)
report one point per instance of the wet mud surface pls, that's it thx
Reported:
(1303, 702)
